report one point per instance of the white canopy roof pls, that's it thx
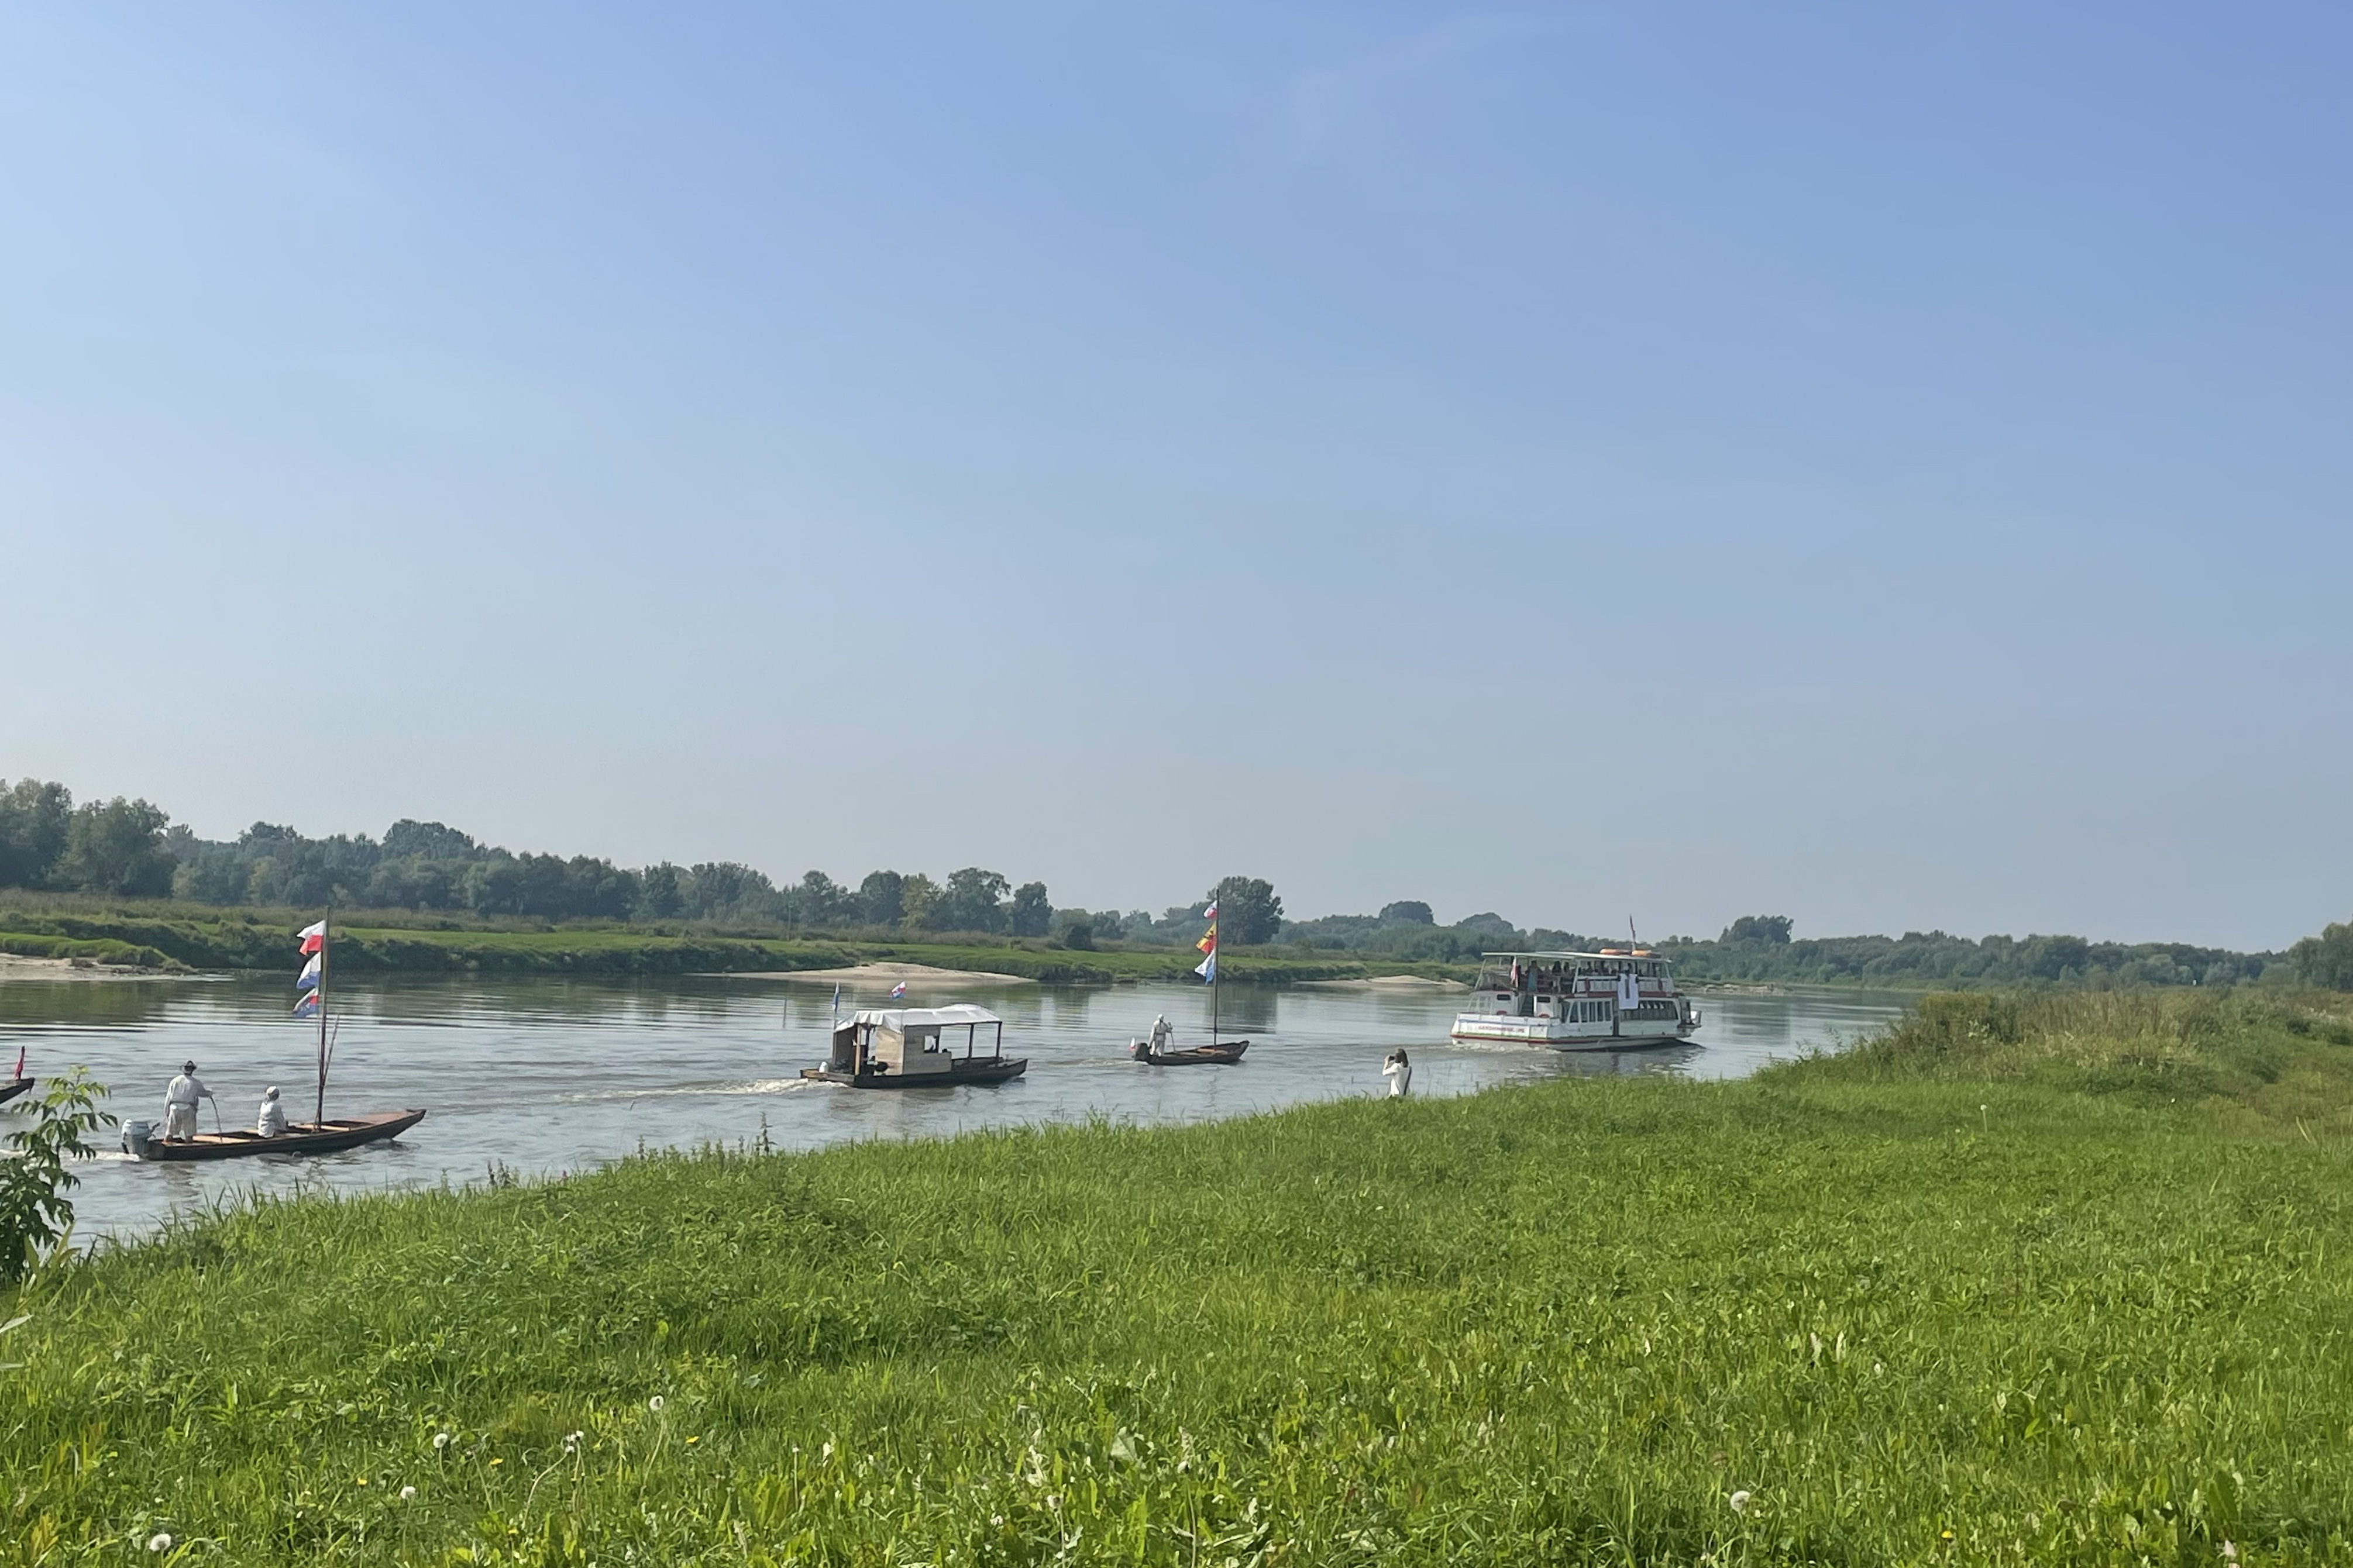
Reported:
(902, 1019)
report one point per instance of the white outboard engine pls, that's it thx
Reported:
(135, 1136)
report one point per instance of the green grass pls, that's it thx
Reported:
(380, 942)
(2030, 1281)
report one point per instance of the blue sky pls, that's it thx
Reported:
(1881, 464)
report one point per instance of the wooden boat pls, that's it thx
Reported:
(319, 1135)
(1224, 1053)
(913, 1048)
(301, 1138)
(13, 1088)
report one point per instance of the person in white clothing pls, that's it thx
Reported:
(1399, 1072)
(180, 1103)
(272, 1119)
(1162, 1035)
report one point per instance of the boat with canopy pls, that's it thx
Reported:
(319, 1135)
(915, 1047)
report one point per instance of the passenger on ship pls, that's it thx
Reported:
(271, 1123)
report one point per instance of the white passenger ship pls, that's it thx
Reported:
(1616, 999)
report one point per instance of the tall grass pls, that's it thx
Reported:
(1956, 1298)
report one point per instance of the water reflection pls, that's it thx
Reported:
(543, 1074)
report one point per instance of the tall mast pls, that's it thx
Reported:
(1217, 970)
(320, 1119)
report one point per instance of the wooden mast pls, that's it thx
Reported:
(320, 1119)
(1217, 970)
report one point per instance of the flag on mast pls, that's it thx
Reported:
(307, 1008)
(309, 975)
(1210, 914)
(899, 990)
(1208, 969)
(314, 937)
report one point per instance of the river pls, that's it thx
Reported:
(539, 1075)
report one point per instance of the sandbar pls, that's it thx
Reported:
(1395, 982)
(13, 967)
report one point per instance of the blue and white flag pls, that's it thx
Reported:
(837, 995)
(309, 975)
(308, 1006)
(1208, 969)
(899, 990)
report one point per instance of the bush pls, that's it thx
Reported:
(36, 1214)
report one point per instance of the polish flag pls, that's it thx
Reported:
(899, 990)
(1211, 912)
(314, 937)
(308, 1006)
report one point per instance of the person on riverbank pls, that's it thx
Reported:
(180, 1103)
(271, 1123)
(1398, 1071)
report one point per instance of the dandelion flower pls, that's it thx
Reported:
(655, 1404)
(694, 1440)
(362, 1480)
(572, 1441)
(498, 1461)
(407, 1493)
(159, 1542)
(440, 1439)
(1740, 1501)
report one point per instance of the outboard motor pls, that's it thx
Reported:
(135, 1135)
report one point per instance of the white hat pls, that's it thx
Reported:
(269, 1093)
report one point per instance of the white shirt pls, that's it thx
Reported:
(1160, 1033)
(187, 1089)
(272, 1119)
(1400, 1074)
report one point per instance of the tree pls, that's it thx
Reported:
(2325, 960)
(819, 901)
(1407, 912)
(1074, 929)
(1773, 929)
(430, 840)
(1030, 914)
(661, 892)
(117, 848)
(33, 821)
(879, 897)
(919, 897)
(974, 900)
(1248, 911)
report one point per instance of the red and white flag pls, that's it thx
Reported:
(314, 937)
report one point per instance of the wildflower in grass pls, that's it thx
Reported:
(2230, 1552)
(407, 1493)
(655, 1404)
(441, 1440)
(1740, 1501)
(159, 1542)
(362, 1480)
(694, 1440)
(572, 1441)
(498, 1461)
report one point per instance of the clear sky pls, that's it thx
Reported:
(1886, 465)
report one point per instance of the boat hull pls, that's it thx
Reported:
(1224, 1054)
(337, 1133)
(13, 1088)
(979, 1070)
(1555, 1035)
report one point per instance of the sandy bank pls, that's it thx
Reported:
(14, 968)
(889, 975)
(1394, 983)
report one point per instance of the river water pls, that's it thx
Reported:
(542, 1076)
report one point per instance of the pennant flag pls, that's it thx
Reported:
(837, 995)
(1211, 912)
(1208, 969)
(309, 975)
(899, 990)
(314, 937)
(1209, 943)
(308, 1006)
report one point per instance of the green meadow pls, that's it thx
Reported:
(2067, 1277)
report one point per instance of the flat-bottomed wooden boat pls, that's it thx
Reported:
(13, 1088)
(1223, 1054)
(301, 1138)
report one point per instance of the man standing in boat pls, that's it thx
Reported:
(180, 1103)
(1162, 1035)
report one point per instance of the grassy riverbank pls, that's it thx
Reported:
(168, 936)
(2058, 1278)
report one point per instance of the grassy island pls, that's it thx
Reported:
(2038, 1279)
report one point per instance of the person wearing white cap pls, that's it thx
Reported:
(272, 1119)
(1162, 1035)
(180, 1103)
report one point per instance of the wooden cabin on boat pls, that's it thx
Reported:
(915, 1047)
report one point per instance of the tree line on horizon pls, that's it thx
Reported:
(131, 848)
